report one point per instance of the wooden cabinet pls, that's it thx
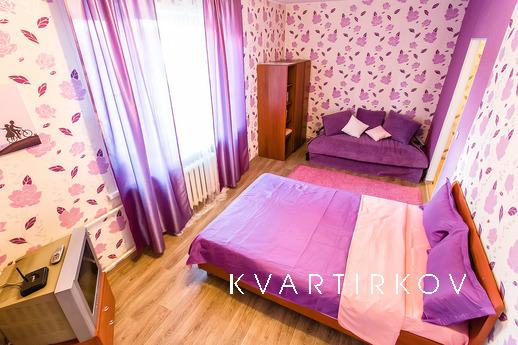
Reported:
(105, 316)
(282, 101)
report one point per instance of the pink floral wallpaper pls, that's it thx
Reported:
(374, 54)
(49, 189)
(263, 23)
(489, 176)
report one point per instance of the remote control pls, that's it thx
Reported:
(57, 255)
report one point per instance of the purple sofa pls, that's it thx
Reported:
(386, 157)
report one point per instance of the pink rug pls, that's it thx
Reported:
(357, 184)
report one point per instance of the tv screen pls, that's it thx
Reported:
(87, 277)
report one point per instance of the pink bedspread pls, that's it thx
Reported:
(388, 243)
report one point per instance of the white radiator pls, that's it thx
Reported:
(201, 179)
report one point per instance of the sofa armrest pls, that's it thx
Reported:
(417, 143)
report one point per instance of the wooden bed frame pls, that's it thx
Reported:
(479, 329)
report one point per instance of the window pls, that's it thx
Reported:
(182, 35)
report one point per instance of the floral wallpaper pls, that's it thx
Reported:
(488, 173)
(374, 54)
(63, 183)
(263, 24)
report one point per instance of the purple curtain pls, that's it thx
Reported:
(224, 36)
(120, 48)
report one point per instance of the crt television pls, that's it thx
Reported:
(66, 308)
(78, 285)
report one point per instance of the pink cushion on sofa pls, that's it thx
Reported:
(378, 133)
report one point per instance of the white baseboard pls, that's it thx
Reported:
(119, 260)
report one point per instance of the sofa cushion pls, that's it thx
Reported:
(334, 123)
(373, 118)
(402, 128)
(365, 149)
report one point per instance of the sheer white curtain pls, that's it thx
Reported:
(182, 35)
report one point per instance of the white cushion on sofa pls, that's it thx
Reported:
(354, 127)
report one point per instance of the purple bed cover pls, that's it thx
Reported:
(281, 226)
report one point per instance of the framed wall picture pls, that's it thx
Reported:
(17, 131)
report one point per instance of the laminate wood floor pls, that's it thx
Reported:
(162, 301)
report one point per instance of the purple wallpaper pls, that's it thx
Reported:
(488, 172)
(263, 26)
(49, 189)
(374, 54)
(479, 22)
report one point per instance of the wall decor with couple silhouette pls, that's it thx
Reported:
(16, 129)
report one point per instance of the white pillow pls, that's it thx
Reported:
(354, 127)
(378, 133)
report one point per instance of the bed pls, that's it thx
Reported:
(280, 225)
